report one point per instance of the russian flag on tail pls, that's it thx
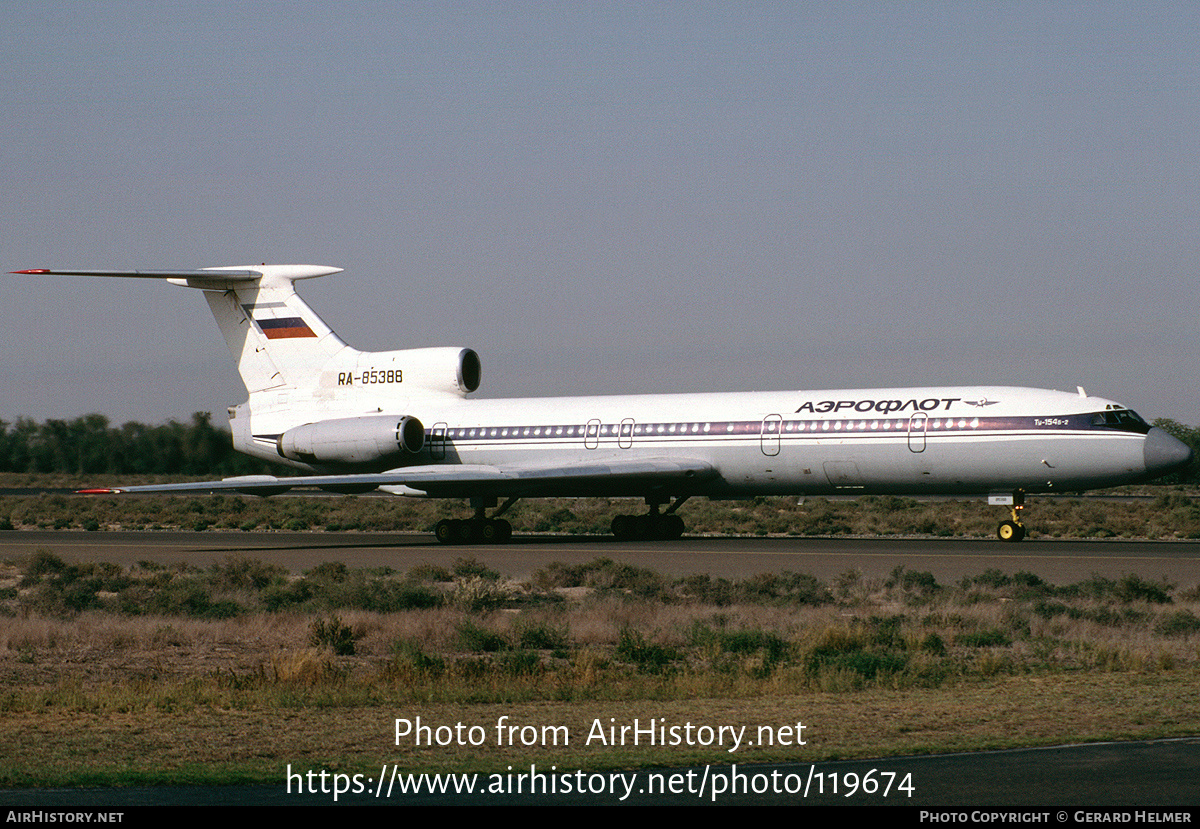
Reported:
(282, 328)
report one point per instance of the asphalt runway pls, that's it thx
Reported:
(1156, 781)
(1057, 561)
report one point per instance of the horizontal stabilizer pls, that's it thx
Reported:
(205, 278)
(232, 275)
(276, 339)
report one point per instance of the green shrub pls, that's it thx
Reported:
(241, 573)
(475, 637)
(933, 644)
(520, 662)
(44, 563)
(334, 571)
(409, 658)
(334, 634)
(647, 656)
(429, 572)
(541, 636)
(473, 567)
(1129, 588)
(917, 581)
(984, 639)
(852, 651)
(1179, 623)
(378, 594)
(278, 597)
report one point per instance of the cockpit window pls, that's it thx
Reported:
(1126, 420)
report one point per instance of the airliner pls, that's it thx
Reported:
(402, 422)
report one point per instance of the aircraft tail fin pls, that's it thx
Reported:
(277, 340)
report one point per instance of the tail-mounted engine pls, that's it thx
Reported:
(447, 370)
(353, 440)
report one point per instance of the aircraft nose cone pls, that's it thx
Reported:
(1165, 453)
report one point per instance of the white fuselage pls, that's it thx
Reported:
(966, 440)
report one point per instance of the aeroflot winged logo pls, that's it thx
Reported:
(881, 406)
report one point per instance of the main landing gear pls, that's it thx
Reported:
(472, 531)
(652, 525)
(477, 530)
(495, 530)
(1013, 530)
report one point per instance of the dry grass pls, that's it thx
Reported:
(875, 666)
(229, 744)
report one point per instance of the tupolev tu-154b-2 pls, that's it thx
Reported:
(402, 422)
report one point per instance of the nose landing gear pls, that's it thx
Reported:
(1013, 530)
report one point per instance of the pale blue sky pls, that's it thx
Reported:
(608, 198)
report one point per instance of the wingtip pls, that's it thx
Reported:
(33, 270)
(98, 491)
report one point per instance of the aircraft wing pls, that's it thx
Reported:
(602, 477)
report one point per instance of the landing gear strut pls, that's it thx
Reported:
(1013, 530)
(652, 525)
(477, 530)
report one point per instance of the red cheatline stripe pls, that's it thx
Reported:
(284, 328)
(288, 333)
